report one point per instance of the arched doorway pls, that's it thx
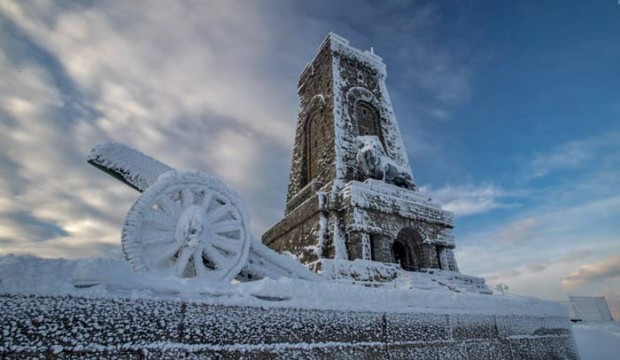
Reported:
(402, 255)
(410, 251)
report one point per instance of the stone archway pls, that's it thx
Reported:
(410, 251)
(402, 255)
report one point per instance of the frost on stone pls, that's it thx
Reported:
(389, 199)
(346, 95)
(56, 277)
(340, 246)
(359, 271)
(373, 163)
(322, 231)
(266, 263)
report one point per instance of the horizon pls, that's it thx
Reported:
(509, 114)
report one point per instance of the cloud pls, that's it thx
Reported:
(538, 248)
(562, 216)
(605, 269)
(574, 155)
(466, 200)
(110, 71)
(536, 278)
(598, 278)
(518, 231)
(534, 268)
(205, 86)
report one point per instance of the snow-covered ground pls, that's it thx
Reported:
(598, 341)
(104, 277)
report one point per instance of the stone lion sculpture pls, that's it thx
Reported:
(373, 163)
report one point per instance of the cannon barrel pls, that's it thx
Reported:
(128, 165)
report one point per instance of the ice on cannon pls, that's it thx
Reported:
(128, 165)
(188, 224)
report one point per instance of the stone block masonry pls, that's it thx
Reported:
(67, 327)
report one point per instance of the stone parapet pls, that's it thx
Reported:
(66, 327)
(389, 199)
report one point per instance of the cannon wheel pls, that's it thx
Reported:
(188, 225)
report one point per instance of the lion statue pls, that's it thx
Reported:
(373, 163)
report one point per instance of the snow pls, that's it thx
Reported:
(344, 104)
(152, 177)
(44, 312)
(339, 124)
(390, 199)
(338, 238)
(207, 203)
(374, 163)
(266, 263)
(598, 341)
(131, 166)
(31, 275)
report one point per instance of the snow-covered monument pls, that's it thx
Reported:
(195, 283)
(351, 193)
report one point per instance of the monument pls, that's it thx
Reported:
(194, 283)
(351, 193)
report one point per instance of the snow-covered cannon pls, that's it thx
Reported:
(188, 224)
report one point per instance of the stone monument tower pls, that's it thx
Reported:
(351, 193)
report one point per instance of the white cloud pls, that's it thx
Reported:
(598, 278)
(206, 86)
(537, 250)
(192, 97)
(468, 199)
(574, 155)
(607, 268)
(560, 243)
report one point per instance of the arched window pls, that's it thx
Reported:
(312, 148)
(367, 118)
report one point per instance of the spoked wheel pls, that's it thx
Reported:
(188, 225)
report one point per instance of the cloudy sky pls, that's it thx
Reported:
(509, 111)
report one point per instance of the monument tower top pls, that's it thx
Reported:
(343, 99)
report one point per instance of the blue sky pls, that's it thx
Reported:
(509, 111)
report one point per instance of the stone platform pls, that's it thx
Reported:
(70, 327)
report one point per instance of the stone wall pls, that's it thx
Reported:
(370, 214)
(315, 94)
(82, 328)
(384, 211)
(298, 232)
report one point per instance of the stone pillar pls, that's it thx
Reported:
(452, 266)
(355, 245)
(429, 258)
(443, 258)
(382, 248)
(366, 252)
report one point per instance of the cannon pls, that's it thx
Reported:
(188, 224)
